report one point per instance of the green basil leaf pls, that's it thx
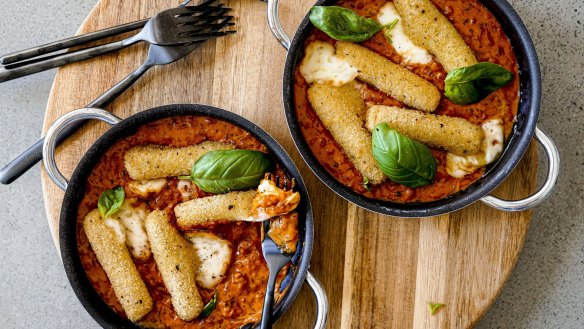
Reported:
(387, 29)
(434, 307)
(110, 201)
(366, 184)
(473, 83)
(223, 171)
(343, 24)
(402, 159)
(208, 309)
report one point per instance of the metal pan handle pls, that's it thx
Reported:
(56, 129)
(275, 24)
(553, 158)
(322, 306)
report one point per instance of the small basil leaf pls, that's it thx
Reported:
(208, 309)
(366, 184)
(110, 201)
(223, 171)
(343, 24)
(402, 159)
(473, 83)
(434, 307)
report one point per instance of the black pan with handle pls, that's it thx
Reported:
(75, 189)
(524, 130)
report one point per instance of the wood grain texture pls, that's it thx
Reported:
(379, 272)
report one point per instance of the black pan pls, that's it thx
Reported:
(75, 188)
(524, 129)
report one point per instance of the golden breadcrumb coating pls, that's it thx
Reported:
(390, 78)
(456, 135)
(115, 259)
(428, 28)
(177, 263)
(155, 161)
(228, 207)
(338, 108)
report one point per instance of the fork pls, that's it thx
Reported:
(171, 27)
(275, 258)
(157, 55)
(82, 39)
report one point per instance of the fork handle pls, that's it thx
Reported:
(34, 154)
(267, 311)
(8, 73)
(71, 42)
(79, 39)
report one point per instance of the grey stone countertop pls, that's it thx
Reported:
(545, 290)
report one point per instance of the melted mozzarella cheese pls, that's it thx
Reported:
(458, 166)
(321, 65)
(117, 228)
(131, 215)
(186, 189)
(272, 201)
(214, 256)
(400, 41)
(143, 188)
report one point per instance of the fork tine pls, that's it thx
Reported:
(196, 25)
(207, 20)
(191, 29)
(189, 17)
(205, 36)
(190, 10)
(206, 3)
(265, 229)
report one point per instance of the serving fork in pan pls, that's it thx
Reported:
(170, 27)
(274, 256)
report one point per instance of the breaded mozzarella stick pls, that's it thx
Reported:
(155, 161)
(338, 108)
(456, 135)
(232, 206)
(115, 259)
(390, 78)
(428, 28)
(177, 262)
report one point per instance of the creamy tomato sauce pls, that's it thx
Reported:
(240, 295)
(482, 33)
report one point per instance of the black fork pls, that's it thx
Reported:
(170, 27)
(274, 256)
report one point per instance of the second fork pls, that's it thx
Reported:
(171, 27)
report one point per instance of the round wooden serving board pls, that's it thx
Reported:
(379, 272)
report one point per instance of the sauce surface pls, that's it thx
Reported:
(482, 33)
(240, 295)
